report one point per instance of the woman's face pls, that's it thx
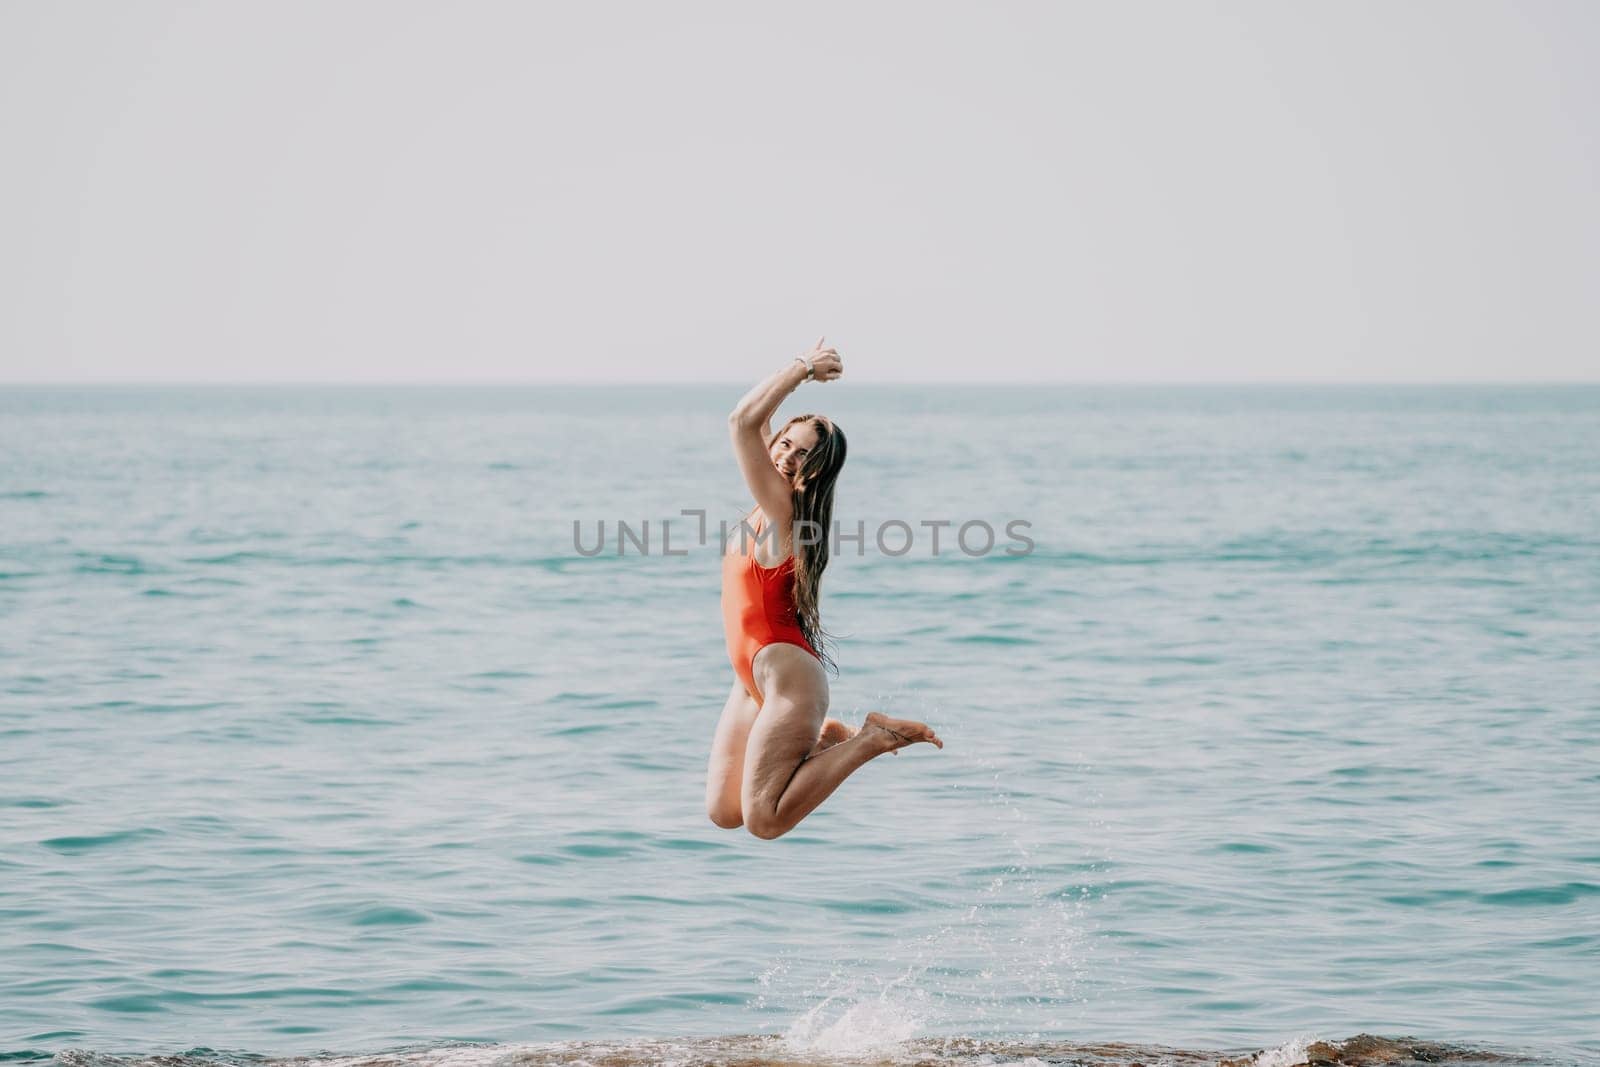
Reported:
(793, 445)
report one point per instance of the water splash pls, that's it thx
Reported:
(1288, 1054)
(1008, 961)
(851, 1023)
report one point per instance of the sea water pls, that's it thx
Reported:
(320, 734)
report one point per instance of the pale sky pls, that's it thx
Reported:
(648, 192)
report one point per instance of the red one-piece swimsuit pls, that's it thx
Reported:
(757, 607)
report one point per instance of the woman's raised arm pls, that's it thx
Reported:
(749, 426)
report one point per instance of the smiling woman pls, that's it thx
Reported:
(776, 755)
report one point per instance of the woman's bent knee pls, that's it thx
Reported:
(765, 826)
(725, 817)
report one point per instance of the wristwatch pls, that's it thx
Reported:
(811, 368)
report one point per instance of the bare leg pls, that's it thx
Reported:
(725, 771)
(784, 778)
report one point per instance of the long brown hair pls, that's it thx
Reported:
(812, 502)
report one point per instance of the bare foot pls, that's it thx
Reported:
(833, 732)
(898, 733)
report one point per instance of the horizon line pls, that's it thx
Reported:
(745, 383)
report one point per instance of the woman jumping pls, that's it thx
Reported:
(776, 754)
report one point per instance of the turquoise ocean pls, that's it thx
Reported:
(320, 737)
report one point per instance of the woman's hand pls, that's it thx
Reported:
(825, 362)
